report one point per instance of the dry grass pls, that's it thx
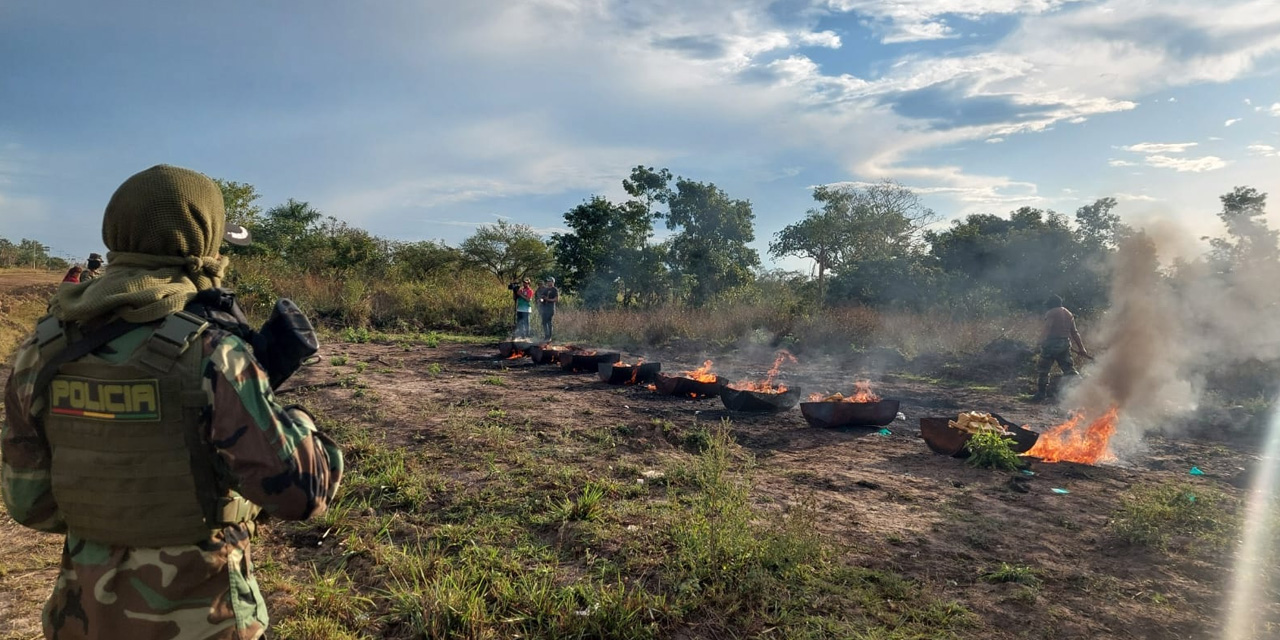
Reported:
(24, 296)
(912, 333)
(460, 301)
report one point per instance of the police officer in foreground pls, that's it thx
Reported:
(93, 268)
(151, 437)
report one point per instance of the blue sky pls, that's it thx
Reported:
(421, 120)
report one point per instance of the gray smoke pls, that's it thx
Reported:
(1167, 329)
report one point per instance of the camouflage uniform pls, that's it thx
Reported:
(272, 455)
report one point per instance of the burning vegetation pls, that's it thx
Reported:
(767, 385)
(1076, 441)
(862, 393)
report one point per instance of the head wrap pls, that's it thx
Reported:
(163, 228)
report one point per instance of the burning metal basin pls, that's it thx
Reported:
(944, 440)
(622, 373)
(742, 400)
(688, 387)
(587, 361)
(546, 354)
(514, 348)
(834, 415)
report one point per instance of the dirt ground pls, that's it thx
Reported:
(885, 500)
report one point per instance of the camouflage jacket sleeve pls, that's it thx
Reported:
(25, 474)
(274, 455)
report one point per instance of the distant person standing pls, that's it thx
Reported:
(547, 296)
(93, 268)
(524, 307)
(1056, 340)
(73, 275)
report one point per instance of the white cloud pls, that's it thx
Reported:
(995, 140)
(1265, 150)
(1121, 163)
(1247, 102)
(913, 20)
(1213, 138)
(1159, 147)
(1185, 165)
(1274, 109)
(1135, 197)
(1231, 121)
(1173, 99)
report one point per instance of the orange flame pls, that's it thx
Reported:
(702, 374)
(651, 387)
(767, 385)
(515, 354)
(862, 393)
(1072, 442)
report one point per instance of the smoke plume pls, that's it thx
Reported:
(1167, 330)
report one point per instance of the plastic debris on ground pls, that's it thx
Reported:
(1061, 491)
(885, 432)
(1028, 472)
(901, 416)
(1195, 471)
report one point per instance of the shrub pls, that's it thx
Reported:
(992, 450)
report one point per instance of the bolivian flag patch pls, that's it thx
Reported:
(122, 400)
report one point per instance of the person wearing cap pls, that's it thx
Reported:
(547, 296)
(93, 268)
(150, 437)
(524, 307)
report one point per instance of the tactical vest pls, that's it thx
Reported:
(130, 465)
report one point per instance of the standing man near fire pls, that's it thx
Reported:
(547, 296)
(1056, 340)
(151, 438)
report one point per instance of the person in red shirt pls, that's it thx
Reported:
(1056, 340)
(73, 275)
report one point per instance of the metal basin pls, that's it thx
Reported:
(587, 362)
(510, 347)
(944, 440)
(688, 387)
(618, 373)
(543, 354)
(739, 400)
(831, 415)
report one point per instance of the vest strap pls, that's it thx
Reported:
(171, 339)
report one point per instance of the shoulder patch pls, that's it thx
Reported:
(108, 400)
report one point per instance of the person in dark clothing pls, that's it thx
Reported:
(93, 268)
(547, 297)
(1056, 340)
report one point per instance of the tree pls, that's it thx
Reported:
(414, 260)
(287, 228)
(508, 251)
(1249, 240)
(710, 246)
(819, 237)
(240, 200)
(1098, 228)
(649, 185)
(1025, 257)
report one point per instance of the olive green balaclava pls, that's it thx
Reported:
(163, 228)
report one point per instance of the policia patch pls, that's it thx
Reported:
(112, 400)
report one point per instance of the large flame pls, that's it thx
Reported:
(767, 385)
(1071, 441)
(702, 374)
(515, 354)
(862, 393)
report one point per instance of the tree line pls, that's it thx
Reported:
(870, 244)
(30, 254)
